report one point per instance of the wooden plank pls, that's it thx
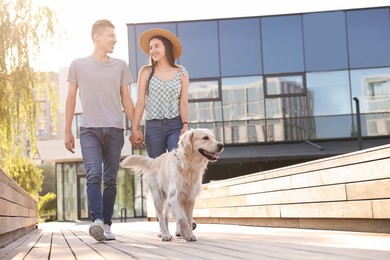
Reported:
(346, 174)
(8, 224)
(271, 211)
(81, 249)
(379, 189)
(314, 194)
(372, 154)
(59, 247)
(19, 248)
(350, 209)
(41, 250)
(381, 209)
(9, 208)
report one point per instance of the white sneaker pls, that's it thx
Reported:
(96, 230)
(107, 233)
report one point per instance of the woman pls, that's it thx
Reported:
(162, 93)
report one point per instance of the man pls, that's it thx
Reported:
(103, 85)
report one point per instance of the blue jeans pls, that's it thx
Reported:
(101, 149)
(162, 135)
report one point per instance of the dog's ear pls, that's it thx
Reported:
(186, 142)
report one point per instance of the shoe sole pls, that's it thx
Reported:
(97, 233)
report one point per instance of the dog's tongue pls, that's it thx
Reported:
(213, 155)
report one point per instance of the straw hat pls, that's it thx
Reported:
(145, 37)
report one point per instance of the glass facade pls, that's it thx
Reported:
(285, 78)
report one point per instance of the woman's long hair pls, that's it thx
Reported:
(168, 53)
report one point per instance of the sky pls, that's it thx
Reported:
(77, 16)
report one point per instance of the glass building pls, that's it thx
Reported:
(277, 90)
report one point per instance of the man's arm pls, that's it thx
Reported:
(70, 106)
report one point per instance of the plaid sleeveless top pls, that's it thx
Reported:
(164, 97)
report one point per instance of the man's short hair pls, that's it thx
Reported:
(100, 25)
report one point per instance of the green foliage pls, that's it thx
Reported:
(25, 172)
(23, 27)
(48, 179)
(47, 207)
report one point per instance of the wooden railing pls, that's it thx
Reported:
(18, 210)
(346, 192)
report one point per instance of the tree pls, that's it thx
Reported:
(23, 27)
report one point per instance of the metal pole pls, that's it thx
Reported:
(359, 126)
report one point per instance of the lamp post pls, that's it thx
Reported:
(359, 126)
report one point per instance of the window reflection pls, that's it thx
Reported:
(372, 88)
(205, 111)
(203, 90)
(243, 98)
(286, 107)
(285, 85)
(330, 93)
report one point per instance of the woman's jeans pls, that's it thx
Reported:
(101, 149)
(162, 135)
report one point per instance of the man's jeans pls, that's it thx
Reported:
(101, 149)
(162, 135)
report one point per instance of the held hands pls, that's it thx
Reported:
(137, 138)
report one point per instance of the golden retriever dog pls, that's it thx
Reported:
(175, 178)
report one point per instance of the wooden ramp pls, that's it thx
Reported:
(138, 240)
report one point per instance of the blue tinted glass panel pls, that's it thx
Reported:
(282, 44)
(369, 38)
(240, 47)
(142, 58)
(325, 41)
(333, 127)
(372, 88)
(243, 98)
(328, 93)
(200, 48)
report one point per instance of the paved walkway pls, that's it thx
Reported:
(138, 240)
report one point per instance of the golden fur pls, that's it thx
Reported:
(175, 178)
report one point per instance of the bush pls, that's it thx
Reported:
(47, 207)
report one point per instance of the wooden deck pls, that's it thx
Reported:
(138, 240)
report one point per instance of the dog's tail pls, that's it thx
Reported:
(140, 162)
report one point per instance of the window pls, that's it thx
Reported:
(369, 37)
(372, 88)
(285, 85)
(328, 93)
(325, 41)
(240, 47)
(282, 44)
(203, 90)
(243, 98)
(200, 44)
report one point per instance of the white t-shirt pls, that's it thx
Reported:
(99, 86)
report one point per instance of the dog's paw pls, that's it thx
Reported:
(190, 237)
(166, 237)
